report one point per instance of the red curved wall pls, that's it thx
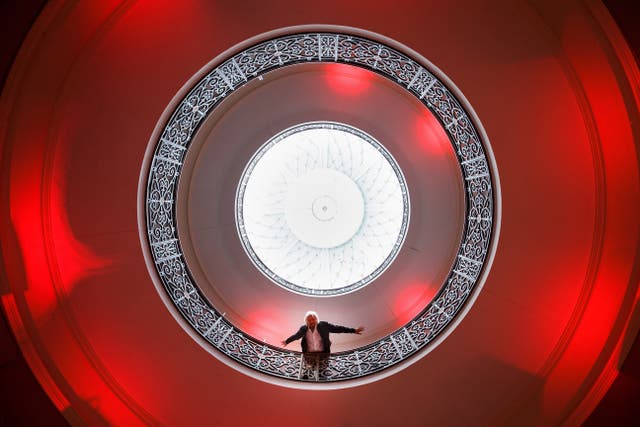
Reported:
(78, 262)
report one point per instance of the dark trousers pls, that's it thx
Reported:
(314, 364)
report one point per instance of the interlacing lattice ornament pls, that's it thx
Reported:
(166, 167)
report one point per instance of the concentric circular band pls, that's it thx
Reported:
(418, 79)
(309, 253)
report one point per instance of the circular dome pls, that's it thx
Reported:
(207, 136)
(316, 197)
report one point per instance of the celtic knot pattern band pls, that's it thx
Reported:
(166, 167)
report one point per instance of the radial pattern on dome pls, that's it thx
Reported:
(322, 208)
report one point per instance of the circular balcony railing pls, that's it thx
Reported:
(419, 79)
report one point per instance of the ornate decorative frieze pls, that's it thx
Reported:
(166, 167)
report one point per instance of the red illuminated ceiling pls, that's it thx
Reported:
(556, 92)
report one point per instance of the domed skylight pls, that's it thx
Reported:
(322, 208)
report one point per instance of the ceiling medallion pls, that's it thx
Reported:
(418, 78)
(313, 200)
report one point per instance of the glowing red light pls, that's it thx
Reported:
(431, 136)
(348, 79)
(411, 300)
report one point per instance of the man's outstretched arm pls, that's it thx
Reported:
(294, 337)
(343, 329)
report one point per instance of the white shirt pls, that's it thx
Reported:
(314, 340)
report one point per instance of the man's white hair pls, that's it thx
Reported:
(311, 313)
